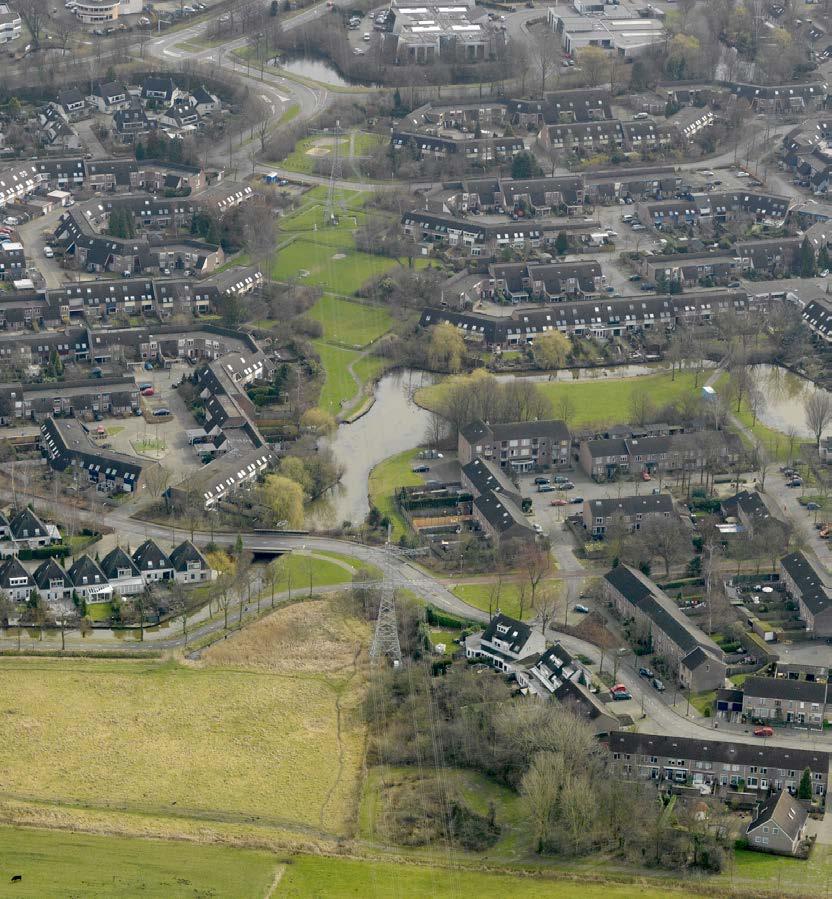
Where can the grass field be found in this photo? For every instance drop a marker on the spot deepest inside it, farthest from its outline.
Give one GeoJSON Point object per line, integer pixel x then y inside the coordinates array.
{"type": "Point", "coordinates": [477, 595]}
{"type": "Point", "coordinates": [339, 387]}
{"type": "Point", "coordinates": [350, 323]}
{"type": "Point", "coordinates": [603, 400]}
{"type": "Point", "coordinates": [233, 739]}
{"type": "Point", "coordinates": [775, 442]}
{"type": "Point", "coordinates": [99, 611]}
{"type": "Point", "coordinates": [298, 569]}
{"type": "Point", "coordinates": [331, 878]}
{"type": "Point", "coordinates": [335, 267]}
{"type": "Point", "coordinates": [300, 160]}
{"type": "Point", "coordinates": [57, 864]}
{"type": "Point", "coordinates": [384, 478]}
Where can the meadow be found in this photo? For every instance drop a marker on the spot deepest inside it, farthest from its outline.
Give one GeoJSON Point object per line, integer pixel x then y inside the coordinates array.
{"type": "Point", "coordinates": [350, 323]}
{"type": "Point", "coordinates": [605, 400]}
{"type": "Point", "coordinates": [229, 739]}
{"type": "Point", "coordinates": [58, 864]}
{"type": "Point", "coordinates": [333, 878]}
{"type": "Point", "coordinates": [339, 386]}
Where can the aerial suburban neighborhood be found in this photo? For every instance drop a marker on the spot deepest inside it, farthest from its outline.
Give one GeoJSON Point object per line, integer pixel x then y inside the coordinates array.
{"type": "Point", "coordinates": [416, 448]}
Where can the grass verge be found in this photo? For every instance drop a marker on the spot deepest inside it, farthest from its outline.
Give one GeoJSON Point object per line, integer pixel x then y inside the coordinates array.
{"type": "Point", "coordinates": [477, 595]}
{"type": "Point", "coordinates": [58, 864]}
{"type": "Point", "coordinates": [384, 478]}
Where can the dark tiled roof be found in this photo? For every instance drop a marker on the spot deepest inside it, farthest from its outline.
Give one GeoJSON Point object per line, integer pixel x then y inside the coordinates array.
{"type": "Point", "coordinates": [515, 633]}
{"type": "Point", "coordinates": [785, 688]}
{"type": "Point", "coordinates": [719, 751]}
{"type": "Point", "coordinates": [117, 559]}
{"type": "Point", "coordinates": [148, 557]}
{"type": "Point", "coordinates": [184, 553]}
{"type": "Point", "coordinates": [783, 810]}
{"type": "Point", "coordinates": [813, 591]}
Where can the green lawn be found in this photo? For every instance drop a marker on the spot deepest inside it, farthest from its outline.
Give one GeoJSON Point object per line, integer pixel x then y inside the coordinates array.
{"type": "Point", "coordinates": [297, 570]}
{"type": "Point", "coordinates": [702, 701]}
{"type": "Point", "coordinates": [350, 323]}
{"type": "Point", "coordinates": [333, 878]}
{"type": "Point", "coordinates": [446, 637]}
{"type": "Point", "coordinates": [289, 114]}
{"type": "Point", "coordinates": [339, 386]}
{"type": "Point", "coordinates": [99, 611]}
{"type": "Point", "coordinates": [477, 595]}
{"type": "Point", "coordinates": [602, 400]}
{"type": "Point", "coordinates": [60, 864]}
{"type": "Point", "coordinates": [786, 875]}
{"type": "Point", "coordinates": [334, 266]}
{"type": "Point", "coordinates": [384, 478]}
{"type": "Point", "coordinates": [774, 441]}
{"type": "Point", "coordinates": [302, 161]}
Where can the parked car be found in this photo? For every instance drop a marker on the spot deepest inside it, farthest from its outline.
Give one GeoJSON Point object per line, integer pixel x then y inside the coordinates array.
{"type": "Point", "coordinates": [542, 480]}
{"type": "Point", "coordinates": [160, 412]}
{"type": "Point", "coordinates": [794, 482]}
{"type": "Point", "coordinates": [813, 507]}
{"type": "Point", "coordinates": [148, 366]}
{"type": "Point", "coordinates": [144, 385]}
{"type": "Point", "coordinates": [568, 485]}
{"type": "Point", "coordinates": [537, 528]}
{"type": "Point", "coordinates": [561, 479]}
{"type": "Point", "coordinates": [421, 469]}
{"type": "Point", "coordinates": [618, 688]}
{"type": "Point", "coordinates": [148, 391]}
{"type": "Point", "coordinates": [48, 252]}
{"type": "Point", "coordinates": [657, 685]}
{"type": "Point", "coordinates": [764, 731]}
{"type": "Point", "coordinates": [581, 608]}
{"type": "Point", "coordinates": [646, 476]}
{"type": "Point", "coordinates": [545, 488]}
{"type": "Point", "coordinates": [645, 672]}
{"type": "Point", "coordinates": [576, 500]}
{"type": "Point", "coordinates": [621, 696]}
{"type": "Point", "coordinates": [634, 278]}
{"type": "Point", "coordinates": [559, 502]}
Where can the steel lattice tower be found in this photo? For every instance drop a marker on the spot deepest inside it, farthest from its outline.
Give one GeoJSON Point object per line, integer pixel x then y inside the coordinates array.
{"type": "Point", "coordinates": [334, 175]}
{"type": "Point", "coordinates": [386, 637]}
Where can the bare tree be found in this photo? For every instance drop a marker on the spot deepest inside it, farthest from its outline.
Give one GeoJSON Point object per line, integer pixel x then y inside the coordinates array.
{"type": "Point", "coordinates": [156, 478]}
{"type": "Point", "coordinates": [546, 607]}
{"type": "Point", "coordinates": [275, 571]}
{"type": "Point", "coordinates": [543, 53]}
{"type": "Point", "coordinates": [536, 562]}
{"type": "Point", "coordinates": [668, 539]}
{"type": "Point", "coordinates": [818, 411]}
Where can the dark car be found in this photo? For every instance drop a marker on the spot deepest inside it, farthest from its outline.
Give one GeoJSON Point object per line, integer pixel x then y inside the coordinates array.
{"type": "Point", "coordinates": [421, 469]}
{"type": "Point", "coordinates": [576, 500]}
{"type": "Point", "coordinates": [160, 412]}
{"type": "Point", "coordinates": [645, 672]}
{"type": "Point", "coordinates": [658, 685]}
{"type": "Point", "coordinates": [618, 697]}
{"type": "Point", "coordinates": [541, 480]}
{"type": "Point", "coordinates": [634, 278]}
{"type": "Point", "coordinates": [794, 482]}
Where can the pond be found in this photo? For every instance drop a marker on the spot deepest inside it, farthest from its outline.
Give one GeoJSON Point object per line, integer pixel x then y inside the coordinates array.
{"type": "Point", "coordinates": [784, 397]}
{"type": "Point", "coordinates": [318, 69]}
{"type": "Point", "coordinates": [393, 424]}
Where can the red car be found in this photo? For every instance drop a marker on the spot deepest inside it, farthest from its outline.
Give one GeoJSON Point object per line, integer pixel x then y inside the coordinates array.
{"type": "Point", "coordinates": [764, 731]}
{"type": "Point", "coordinates": [646, 476]}
{"type": "Point", "coordinates": [559, 502]}
{"type": "Point", "coordinates": [619, 688]}
{"type": "Point", "coordinates": [148, 391]}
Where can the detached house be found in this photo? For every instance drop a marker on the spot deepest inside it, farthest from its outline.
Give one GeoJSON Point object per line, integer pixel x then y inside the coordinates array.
{"type": "Point", "coordinates": [52, 581]}
{"type": "Point", "coordinates": [110, 96]}
{"type": "Point", "coordinates": [504, 642]}
{"type": "Point", "coordinates": [153, 564]}
{"type": "Point", "coordinates": [122, 572]}
{"type": "Point", "coordinates": [89, 581]}
{"type": "Point", "coordinates": [189, 565]}
{"type": "Point", "coordinates": [779, 825]}
{"type": "Point", "coordinates": [29, 532]}
{"type": "Point", "coordinates": [15, 580]}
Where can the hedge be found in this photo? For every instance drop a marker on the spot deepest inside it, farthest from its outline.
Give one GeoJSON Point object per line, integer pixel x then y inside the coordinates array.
{"type": "Point", "coordinates": [56, 550]}
{"type": "Point", "coordinates": [436, 618]}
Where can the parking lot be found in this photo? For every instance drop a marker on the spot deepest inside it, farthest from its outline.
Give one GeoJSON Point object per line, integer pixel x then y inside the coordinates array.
{"type": "Point", "coordinates": [164, 441]}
